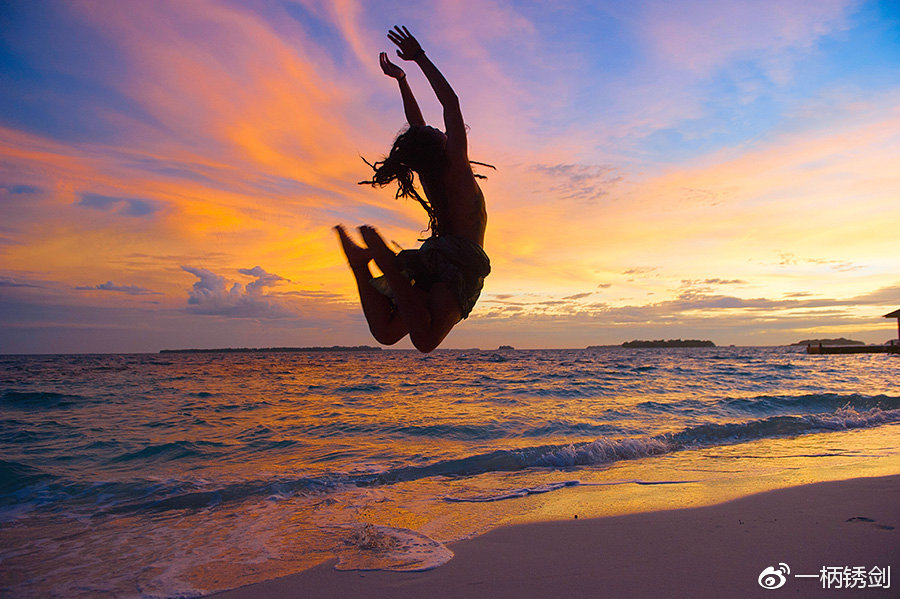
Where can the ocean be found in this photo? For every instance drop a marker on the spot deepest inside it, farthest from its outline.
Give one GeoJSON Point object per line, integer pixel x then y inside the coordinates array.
{"type": "Point", "coordinates": [176, 475]}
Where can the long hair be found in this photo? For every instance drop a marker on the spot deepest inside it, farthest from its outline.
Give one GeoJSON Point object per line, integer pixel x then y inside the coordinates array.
{"type": "Point", "coordinates": [421, 150]}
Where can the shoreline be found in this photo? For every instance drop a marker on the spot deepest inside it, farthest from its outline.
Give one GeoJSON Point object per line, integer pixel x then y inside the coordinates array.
{"type": "Point", "coordinates": [711, 551]}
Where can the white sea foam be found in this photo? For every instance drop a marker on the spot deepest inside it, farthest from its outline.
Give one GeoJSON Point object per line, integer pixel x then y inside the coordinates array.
{"type": "Point", "coordinates": [848, 417]}
{"type": "Point", "coordinates": [602, 451]}
{"type": "Point", "coordinates": [373, 547]}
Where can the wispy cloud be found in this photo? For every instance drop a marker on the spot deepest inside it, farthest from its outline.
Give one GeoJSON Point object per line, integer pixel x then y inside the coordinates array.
{"type": "Point", "coordinates": [127, 289]}
{"type": "Point", "coordinates": [579, 295]}
{"type": "Point", "coordinates": [124, 206]}
{"type": "Point", "coordinates": [701, 36]}
{"type": "Point", "coordinates": [580, 182]}
{"type": "Point", "coordinates": [710, 315]}
{"type": "Point", "coordinates": [713, 281]}
{"type": "Point", "coordinates": [19, 189]}
{"type": "Point", "coordinates": [12, 283]}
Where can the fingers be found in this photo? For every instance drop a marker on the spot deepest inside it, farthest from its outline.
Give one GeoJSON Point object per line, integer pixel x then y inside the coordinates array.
{"type": "Point", "coordinates": [398, 35]}
{"type": "Point", "coordinates": [404, 40]}
{"type": "Point", "coordinates": [389, 68]}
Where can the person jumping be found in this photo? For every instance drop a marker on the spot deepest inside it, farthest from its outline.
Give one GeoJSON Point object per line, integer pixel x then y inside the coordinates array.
{"type": "Point", "coordinates": [427, 291]}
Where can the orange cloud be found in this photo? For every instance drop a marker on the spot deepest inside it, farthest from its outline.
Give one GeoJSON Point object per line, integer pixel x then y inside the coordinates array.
{"type": "Point", "coordinates": [243, 148]}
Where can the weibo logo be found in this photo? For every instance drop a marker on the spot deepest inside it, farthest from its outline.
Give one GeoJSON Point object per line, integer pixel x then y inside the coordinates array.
{"type": "Point", "coordinates": [772, 577]}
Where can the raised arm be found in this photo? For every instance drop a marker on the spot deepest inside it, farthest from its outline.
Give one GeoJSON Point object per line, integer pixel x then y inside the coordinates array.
{"type": "Point", "coordinates": [410, 106]}
{"type": "Point", "coordinates": [409, 49]}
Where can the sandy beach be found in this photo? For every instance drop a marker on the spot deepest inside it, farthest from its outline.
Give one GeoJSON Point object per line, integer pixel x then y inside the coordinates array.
{"type": "Point", "coordinates": [714, 551]}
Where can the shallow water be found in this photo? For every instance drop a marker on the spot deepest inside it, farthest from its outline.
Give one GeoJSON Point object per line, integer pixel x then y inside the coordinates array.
{"type": "Point", "coordinates": [179, 474]}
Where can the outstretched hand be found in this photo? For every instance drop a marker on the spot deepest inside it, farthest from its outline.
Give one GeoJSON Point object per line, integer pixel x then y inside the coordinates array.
{"type": "Point", "coordinates": [389, 68]}
{"type": "Point", "coordinates": [409, 48]}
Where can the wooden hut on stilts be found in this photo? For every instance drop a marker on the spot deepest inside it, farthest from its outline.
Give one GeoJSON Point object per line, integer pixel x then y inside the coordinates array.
{"type": "Point", "coordinates": [895, 314]}
{"type": "Point", "coordinates": [891, 347]}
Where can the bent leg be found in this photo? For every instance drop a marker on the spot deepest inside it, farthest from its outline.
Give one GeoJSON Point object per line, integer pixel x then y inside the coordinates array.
{"type": "Point", "coordinates": [386, 327]}
{"type": "Point", "coordinates": [428, 317]}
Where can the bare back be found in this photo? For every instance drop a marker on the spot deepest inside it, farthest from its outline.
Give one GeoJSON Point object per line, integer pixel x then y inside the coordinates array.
{"type": "Point", "coordinates": [466, 214]}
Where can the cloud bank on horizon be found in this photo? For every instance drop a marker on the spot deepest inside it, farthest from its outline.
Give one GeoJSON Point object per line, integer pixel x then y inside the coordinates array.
{"type": "Point", "coordinates": [719, 169]}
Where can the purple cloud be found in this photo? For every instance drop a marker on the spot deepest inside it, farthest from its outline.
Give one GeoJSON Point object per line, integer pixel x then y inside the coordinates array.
{"type": "Point", "coordinates": [212, 295]}
{"type": "Point", "coordinates": [125, 206]}
{"type": "Point", "coordinates": [110, 286]}
{"type": "Point", "coordinates": [263, 279]}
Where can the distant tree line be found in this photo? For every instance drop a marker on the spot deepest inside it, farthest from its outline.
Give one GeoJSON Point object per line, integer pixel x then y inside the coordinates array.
{"type": "Point", "coordinates": [838, 341]}
{"type": "Point", "coordinates": [239, 350]}
{"type": "Point", "coordinates": [669, 343]}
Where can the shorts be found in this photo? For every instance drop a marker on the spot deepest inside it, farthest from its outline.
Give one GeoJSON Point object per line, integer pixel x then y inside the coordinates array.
{"type": "Point", "coordinates": [456, 261]}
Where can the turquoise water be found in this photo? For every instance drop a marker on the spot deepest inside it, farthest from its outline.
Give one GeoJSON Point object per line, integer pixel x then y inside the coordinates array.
{"type": "Point", "coordinates": [180, 474]}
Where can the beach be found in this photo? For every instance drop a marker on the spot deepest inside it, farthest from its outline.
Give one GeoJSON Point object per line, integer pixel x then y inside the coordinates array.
{"type": "Point", "coordinates": [182, 475]}
{"type": "Point", "coordinates": [708, 552]}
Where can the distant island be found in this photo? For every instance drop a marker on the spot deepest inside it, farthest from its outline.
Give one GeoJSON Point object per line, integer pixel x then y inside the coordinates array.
{"type": "Point", "coordinates": [638, 343]}
{"type": "Point", "coordinates": [669, 343]}
{"type": "Point", "coordinates": [505, 347]}
{"type": "Point", "coordinates": [246, 350]}
{"type": "Point", "coordinates": [838, 341]}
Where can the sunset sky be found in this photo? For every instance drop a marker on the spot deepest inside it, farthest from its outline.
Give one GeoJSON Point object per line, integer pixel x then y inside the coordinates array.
{"type": "Point", "coordinates": [170, 171]}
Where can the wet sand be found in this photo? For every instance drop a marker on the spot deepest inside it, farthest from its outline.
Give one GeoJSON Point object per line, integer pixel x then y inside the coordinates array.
{"type": "Point", "coordinates": [708, 552]}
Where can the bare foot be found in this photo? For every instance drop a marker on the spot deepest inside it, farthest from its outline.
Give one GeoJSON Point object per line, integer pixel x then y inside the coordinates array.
{"type": "Point", "coordinates": [378, 249]}
{"type": "Point", "coordinates": [357, 257]}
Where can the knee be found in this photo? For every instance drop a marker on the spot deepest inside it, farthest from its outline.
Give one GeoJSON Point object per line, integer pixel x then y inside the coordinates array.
{"type": "Point", "coordinates": [425, 348]}
{"type": "Point", "coordinates": [425, 343]}
{"type": "Point", "coordinates": [386, 337]}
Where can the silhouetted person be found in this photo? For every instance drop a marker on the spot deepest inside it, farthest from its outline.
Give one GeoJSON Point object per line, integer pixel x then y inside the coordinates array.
{"type": "Point", "coordinates": [424, 292]}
